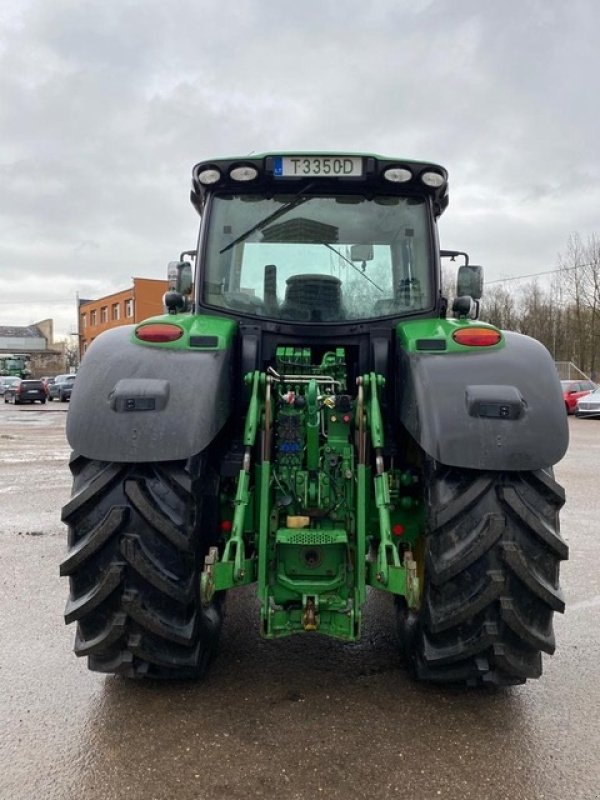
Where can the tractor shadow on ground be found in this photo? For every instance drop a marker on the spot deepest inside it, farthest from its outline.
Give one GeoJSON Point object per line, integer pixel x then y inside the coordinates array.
{"type": "Point", "coordinates": [270, 712]}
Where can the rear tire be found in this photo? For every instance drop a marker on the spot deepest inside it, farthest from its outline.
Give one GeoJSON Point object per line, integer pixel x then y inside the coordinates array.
{"type": "Point", "coordinates": [491, 586]}
{"type": "Point", "coordinates": [138, 534]}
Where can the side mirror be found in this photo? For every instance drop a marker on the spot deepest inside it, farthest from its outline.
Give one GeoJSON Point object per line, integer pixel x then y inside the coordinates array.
{"type": "Point", "coordinates": [179, 278]}
{"type": "Point", "coordinates": [469, 281]}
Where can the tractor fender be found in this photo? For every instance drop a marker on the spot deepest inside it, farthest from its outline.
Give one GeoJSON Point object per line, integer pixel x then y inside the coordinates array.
{"type": "Point", "coordinates": [498, 409]}
{"type": "Point", "coordinates": [139, 403]}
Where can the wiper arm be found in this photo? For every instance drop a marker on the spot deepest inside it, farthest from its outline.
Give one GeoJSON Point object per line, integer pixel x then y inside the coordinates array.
{"type": "Point", "coordinates": [354, 267]}
{"type": "Point", "coordinates": [297, 200]}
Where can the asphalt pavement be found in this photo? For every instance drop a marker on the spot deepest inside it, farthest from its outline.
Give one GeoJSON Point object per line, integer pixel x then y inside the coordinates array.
{"type": "Point", "coordinates": [304, 717]}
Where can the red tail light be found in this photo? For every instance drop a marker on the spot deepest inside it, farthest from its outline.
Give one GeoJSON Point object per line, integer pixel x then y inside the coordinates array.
{"type": "Point", "coordinates": [477, 337]}
{"type": "Point", "coordinates": [159, 332]}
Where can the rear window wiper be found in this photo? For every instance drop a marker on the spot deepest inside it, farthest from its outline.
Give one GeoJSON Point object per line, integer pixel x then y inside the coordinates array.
{"type": "Point", "coordinates": [297, 200]}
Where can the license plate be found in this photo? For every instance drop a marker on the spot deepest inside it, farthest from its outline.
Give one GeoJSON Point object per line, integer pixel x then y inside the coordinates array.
{"type": "Point", "coordinates": [318, 167]}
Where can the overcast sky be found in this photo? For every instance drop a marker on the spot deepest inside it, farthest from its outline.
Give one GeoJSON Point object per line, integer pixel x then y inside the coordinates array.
{"type": "Point", "coordinates": [106, 106]}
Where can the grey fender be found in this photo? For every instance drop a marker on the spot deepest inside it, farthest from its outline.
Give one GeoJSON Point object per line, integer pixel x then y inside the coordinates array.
{"type": "Point", "coordinates": [136, 403]}
{"type": "Point", "coordinates": [488, 409]}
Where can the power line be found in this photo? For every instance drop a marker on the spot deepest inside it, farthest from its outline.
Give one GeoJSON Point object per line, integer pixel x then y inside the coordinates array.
{"type": "Point", "coordinates": [547, 272]}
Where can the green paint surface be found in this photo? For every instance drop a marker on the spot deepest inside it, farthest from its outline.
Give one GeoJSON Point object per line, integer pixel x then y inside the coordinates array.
{"type": "Point", "coordinates": [309, 524]}
{"type": "Point", "coordinates": [412, 331]}
{"type": "Point", "coordinates": [192, 325]}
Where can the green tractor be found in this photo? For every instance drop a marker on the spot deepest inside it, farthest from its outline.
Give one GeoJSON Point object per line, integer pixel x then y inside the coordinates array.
{"type": "Point", "coordinates": [313, 416]}
{"type": "Point", "coordinates": [15, 364]}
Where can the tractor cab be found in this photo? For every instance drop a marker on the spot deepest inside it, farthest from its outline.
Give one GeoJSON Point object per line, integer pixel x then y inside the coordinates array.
{"type": "Point", "coordinates": [319, 240]}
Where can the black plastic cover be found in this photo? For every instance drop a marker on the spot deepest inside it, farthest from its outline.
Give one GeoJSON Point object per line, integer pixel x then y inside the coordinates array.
{"type": "Point", "coordinates": [495, 401]}
{"type": "Point", "coordinates": [489, 409]}
{"type": "Point", "coordinates": [137, 403]}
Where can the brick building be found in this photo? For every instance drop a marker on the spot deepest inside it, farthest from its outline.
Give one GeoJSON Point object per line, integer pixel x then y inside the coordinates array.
{"type": "Point", "coordinates": [142, 300]}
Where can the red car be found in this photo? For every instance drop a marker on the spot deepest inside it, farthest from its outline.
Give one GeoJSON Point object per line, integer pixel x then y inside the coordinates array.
{"type": "Point", "coordinates": [573, 390]}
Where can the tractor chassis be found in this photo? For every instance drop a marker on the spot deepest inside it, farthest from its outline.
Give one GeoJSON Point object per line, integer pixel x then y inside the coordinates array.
{"type": "Point", "coordinates": [321, 520]}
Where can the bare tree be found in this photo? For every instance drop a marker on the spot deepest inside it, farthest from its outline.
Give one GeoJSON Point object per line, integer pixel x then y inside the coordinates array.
{"type": "Point", "coordinates": [71, 351]}
{"type": "Point", "coordinates": [499, 307]}
{"type": "Point", "coordinates": [580, 280]}
{"type": "Point", "coordinates": [564, 316]}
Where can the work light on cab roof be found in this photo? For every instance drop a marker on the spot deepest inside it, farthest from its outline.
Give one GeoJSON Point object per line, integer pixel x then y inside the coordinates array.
{"type": "Point", "coordinates": [243, 173]}
{"type": "Point", "coordinates": [208, 176]}
{"type": "Point", "coordinates": [397, 175]}
{"type": "Point", "coordinates": [433, 179]}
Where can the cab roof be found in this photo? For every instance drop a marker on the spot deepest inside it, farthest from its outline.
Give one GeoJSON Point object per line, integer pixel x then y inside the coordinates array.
{"type": "Point", "coordinates": [297, 171]}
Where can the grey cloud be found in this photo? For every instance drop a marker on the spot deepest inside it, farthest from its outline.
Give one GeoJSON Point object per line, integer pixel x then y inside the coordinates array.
{"type": "Point", "coordinates": [105, 107]}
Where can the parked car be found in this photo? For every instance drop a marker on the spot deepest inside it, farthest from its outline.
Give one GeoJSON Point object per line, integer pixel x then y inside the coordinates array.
{"type": "Point", "coordinates": [25, 391]}
{"type": "Point", "coordinates": [7, 380]}
{"type": "Point", "coordinates": [61, 388]}
{"type": "Point", "coordinates": [47, 382]}
{"type": "Point", "coordinates": [589, 406]}
{"type": "Point", "coordinates": [573, 391]}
